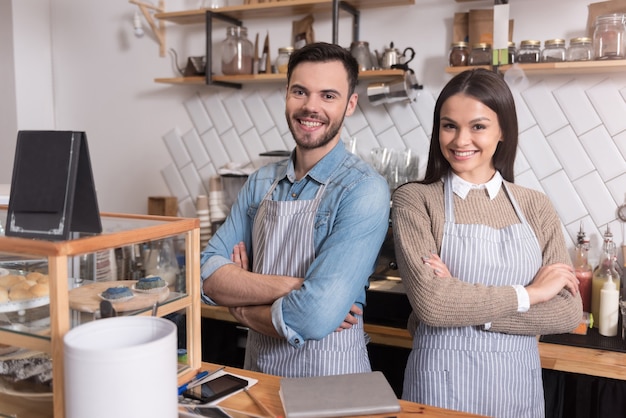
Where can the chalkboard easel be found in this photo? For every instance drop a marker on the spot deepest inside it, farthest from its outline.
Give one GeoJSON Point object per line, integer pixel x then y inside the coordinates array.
{"type": "Point", "coordinates": [52, 188]}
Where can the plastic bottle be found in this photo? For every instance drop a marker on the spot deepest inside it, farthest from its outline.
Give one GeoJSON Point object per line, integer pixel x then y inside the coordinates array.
{"type": "Point", "coordinates": [604, 272]}
{"type": "Point", "coordinates": [584, 274]}
{"type": "Point", "coordinates": [609, 308]}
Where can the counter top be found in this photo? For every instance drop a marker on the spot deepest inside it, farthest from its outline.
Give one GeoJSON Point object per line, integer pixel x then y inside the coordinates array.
{"type": "Point", "coordinates": [266, 391]}
{"type": "Point", "coordinates": [593, 362]}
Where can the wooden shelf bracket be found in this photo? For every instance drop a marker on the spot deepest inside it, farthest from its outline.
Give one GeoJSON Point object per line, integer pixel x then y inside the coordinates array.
{"type": "Point", "coordinates": [157, 26]}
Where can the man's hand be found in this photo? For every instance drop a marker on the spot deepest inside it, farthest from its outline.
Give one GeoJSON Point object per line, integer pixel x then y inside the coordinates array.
{"type": "Point", "coordinates": [350, 319]}
{"type": "Point", "coordinates": [240, 256]}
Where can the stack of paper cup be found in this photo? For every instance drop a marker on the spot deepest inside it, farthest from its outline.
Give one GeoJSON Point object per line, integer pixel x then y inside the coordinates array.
{"type": "Point", "coordinates": [121, 367]}
{"type": "Point", "coordinates": [217, 209]}
{"type": "Point", "coordinates": [202, 211]}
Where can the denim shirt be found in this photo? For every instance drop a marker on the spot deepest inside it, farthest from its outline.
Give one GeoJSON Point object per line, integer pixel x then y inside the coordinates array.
{"type": "Point", "coordinates": [350, 225]}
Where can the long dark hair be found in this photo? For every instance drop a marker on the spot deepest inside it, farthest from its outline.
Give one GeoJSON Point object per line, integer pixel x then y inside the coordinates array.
{"type": "Point", "coordinates": [491, 90]}
{"type": "Point", "coordinates": [325, 52]}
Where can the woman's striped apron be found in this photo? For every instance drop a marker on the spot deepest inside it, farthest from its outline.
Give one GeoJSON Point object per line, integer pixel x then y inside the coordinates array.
{"type": "Point", "coordinates": [283, 244]}
{"type": "Point", "coordinates": [467, 368]}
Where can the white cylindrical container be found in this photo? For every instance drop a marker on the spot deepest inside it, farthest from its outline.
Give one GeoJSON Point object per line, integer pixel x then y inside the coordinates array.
{"type": "Point", "coordinates": [609, 309]}
{"type": "Point", "coordinates": [121, 367]}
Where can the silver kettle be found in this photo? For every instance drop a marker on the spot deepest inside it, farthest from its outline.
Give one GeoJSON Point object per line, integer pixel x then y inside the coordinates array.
{"type": "Point", "coordinates": [393, 58]}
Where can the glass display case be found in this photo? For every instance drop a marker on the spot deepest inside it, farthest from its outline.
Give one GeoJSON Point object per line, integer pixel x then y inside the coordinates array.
{"type": "Point", "coordinates": [64, 281]}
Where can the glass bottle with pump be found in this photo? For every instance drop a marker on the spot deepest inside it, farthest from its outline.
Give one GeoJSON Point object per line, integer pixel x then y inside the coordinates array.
{"type": "Point", "coordinates": [583, 271]}
{"type": "Point", "coordinates": [604, 272]}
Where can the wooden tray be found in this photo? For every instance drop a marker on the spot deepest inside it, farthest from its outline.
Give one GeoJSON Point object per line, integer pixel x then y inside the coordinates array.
{"type": "Point", "coordinates": [86, 298]}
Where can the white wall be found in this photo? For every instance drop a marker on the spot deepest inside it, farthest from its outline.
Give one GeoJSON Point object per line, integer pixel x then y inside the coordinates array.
{"type": "Point", "coordinates": [8, 110]}
{"type": "Point", "coordinates": [102, 83]}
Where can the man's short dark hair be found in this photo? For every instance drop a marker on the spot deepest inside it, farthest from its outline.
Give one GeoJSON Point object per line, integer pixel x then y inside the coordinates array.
{"type": "Point", "coordinates": [325, 52]}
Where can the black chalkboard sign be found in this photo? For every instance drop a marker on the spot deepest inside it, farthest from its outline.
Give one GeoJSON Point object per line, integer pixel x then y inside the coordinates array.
{"type": "Point", "coordinates": [52, 188]}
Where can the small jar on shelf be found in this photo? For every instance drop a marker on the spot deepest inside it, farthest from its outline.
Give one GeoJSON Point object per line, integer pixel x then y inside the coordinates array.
{"type": "Point", "coordinates": [512, 53]}
{"type": "Point", "coordinates": [459, 54]}
{"type": "Point", "coordinates": [553, 51]}
{"type": "Point", "coordinates": [529, 51]}
{"type": "Point", "coordinates": [580, 49]}
{"type": "Point", "coordinates": [282, 60]}
{"type": "Point", "coordinates": [480, 54]}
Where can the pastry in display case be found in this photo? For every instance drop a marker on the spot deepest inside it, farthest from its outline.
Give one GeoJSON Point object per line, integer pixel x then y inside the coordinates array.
{"type": "Point", "coordinates": [50, 287]}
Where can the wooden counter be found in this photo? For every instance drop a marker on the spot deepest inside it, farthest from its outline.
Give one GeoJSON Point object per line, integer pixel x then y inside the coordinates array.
{"type": "Point", "coordinates": [266, 391]}
{"type": "Point", "coordinates": [601, 363]}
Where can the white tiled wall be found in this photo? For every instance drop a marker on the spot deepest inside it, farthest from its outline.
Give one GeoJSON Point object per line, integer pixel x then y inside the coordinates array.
{"type": "Point", "coordinates": [572, 141]}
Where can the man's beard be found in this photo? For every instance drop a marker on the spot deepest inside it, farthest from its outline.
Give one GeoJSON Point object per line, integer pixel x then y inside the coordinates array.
{"type": "Point", "coordinates": [333, 130]}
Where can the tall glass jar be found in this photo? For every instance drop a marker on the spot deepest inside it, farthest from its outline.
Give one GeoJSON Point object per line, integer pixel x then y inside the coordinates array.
{"type": "Point", "coordinates": [529, 51]}
{"type": "Point", "coordinates": [459, 54]}
{"type": "Point", "coordinates": [580, 49]}
{"type": "Point", "coordinates": [480, 54]}
{"type": "Point", "coordinates": [237, 51]}
{"type": "Point", "coordinates": [608, 36]}
{"type": "Point", "coordinates": [553, 51]}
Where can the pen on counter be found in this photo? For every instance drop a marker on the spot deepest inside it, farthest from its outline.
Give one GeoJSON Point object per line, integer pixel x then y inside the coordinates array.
{"type": "Point", "coordinates": [199, 376]}
{"type": "Point", "coordinates": [260, 404]}
{"type": "Point", "coordinates": [204, 379]}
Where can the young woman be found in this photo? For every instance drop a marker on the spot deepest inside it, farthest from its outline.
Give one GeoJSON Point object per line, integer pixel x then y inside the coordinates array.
{"type": "Point", "coordinates": [483, 260]}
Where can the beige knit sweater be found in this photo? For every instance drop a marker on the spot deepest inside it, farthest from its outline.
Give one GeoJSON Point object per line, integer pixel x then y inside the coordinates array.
{"type": "Point", "coordinates": [418, 223]}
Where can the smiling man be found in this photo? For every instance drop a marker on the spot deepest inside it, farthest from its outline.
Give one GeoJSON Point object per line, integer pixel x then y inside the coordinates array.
{"type": "Point", "coordinates": [293, 258]}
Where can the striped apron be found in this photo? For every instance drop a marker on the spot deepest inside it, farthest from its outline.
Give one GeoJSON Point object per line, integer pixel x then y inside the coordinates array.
{"type": "Point", "coordinates": [467, 368]}
{"type": "Point", "coordinates": [283, 244]}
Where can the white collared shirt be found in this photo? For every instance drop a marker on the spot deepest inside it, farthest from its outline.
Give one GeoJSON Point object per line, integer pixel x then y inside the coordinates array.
{"type": "Point", "coordinates": [461, 188]}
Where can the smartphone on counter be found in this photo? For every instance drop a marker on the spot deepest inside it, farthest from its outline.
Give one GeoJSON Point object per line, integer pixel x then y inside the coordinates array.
{"type": "Point", "coordinates": [211, 411]}
{"type": "Point", "coordinates": [215, 389]}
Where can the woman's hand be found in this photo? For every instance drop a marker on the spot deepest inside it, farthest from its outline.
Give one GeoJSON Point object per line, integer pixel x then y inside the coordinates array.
{"type": "Point", "coordinates": [550, 280]}
{"type": "Point", "coordinates": [240, 256]}
{"type": "Point", "coordinates": [439, 267]}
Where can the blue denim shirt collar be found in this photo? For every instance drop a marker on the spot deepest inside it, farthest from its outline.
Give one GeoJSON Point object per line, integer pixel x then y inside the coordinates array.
{"type": "Point", "coordinates": [324, 169]}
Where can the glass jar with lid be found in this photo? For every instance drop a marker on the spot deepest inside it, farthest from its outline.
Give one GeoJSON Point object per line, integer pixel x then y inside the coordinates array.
{"type": "Point", "coordinates": [282, 60]}
{"type": "Point", "coordinates": [237, 51]}
{"type": "Point", "coordinates": [512, 52]}
{"type": "Point", "coordinates": [529, 51]}
{"type": "Point", "coordinates": [580, 49]}
{"type": "Point", "coordinates": [553, 50]}
{"type": "Point", "coordinates": [608, 36]}
{"type": "Point", "coordinates": [480, 54]}
{"type": "Point", "coordinates": [459, 54]}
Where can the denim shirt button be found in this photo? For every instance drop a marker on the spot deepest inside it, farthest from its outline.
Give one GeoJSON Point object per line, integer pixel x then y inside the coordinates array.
{"type": "Point", "coordinates": [294, 195]}
{"type": "Point", "coordinates": [297, 341]}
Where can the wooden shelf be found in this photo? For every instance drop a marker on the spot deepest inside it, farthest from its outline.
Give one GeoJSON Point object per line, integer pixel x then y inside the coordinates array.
{"type": "Point", "coordinates": [273, 9]}
{"type": "Point", "coordinates": [577, 67]}
{"type": "Point", "coordinates": [374, 75]}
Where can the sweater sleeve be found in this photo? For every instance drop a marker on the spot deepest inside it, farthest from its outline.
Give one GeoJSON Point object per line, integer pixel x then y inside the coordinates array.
{"type": "Point", "coordinates": [417, 219]}
{"type": "Point", "coordinates": [562, 313]}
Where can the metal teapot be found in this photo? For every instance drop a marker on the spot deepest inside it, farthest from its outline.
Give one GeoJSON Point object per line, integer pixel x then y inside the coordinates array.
{"type": "Point", "coordinates": [393, 58]}
{"type": "Point", "coordinates": [195, 65]}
